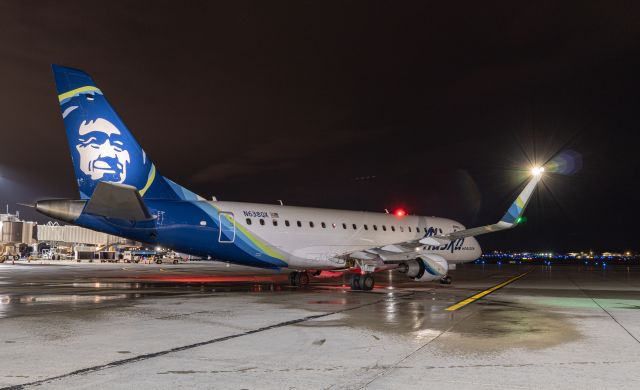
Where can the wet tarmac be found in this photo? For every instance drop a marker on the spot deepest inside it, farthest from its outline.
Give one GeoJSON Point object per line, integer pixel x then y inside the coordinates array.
{"type": "Point", "coordinates": [207, 325]}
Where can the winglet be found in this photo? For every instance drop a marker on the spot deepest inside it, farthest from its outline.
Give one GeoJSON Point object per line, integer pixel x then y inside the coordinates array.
{"type": "Point", "coordinates": [514, 213]}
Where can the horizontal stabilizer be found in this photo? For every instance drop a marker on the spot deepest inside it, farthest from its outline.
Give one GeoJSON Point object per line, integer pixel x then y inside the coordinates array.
{"type": "Point", "coordinates": [119, 201]}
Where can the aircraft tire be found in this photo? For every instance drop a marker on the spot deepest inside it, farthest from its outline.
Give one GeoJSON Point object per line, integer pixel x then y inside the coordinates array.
{"type": "Point", "coordinates": [292, 278]}
{"type": "Point", "coordinates": [302, 279]}
{"type": "Point", "coordinates": [367, 282]}
{"type": "Point", "coordinates": [446, 280]}
{"type": "Point", "coordinates": [355, 282]}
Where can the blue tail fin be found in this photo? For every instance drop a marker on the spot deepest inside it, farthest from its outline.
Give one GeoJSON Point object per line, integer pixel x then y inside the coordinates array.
{"type": "Point", "coordinates": [102, 148]}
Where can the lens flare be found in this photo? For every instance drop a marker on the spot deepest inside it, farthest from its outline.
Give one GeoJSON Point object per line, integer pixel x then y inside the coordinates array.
{"type": "Point", "coordinates": [566, 162]}
{"type": "Point", "coordinates": [537, 171]}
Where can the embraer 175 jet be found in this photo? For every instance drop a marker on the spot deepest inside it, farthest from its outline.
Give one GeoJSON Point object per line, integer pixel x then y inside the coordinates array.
{"type": "Point", "coordinates": [122, 193]}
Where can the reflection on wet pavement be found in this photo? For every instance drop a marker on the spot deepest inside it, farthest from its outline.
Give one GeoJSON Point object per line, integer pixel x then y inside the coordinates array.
{"type": "Point", "coordinates": [147, 309]}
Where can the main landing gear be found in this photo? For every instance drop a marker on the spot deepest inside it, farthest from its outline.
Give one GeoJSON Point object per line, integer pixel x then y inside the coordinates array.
{"type": "Point", "coordinates": [446, 280]}
{"type": "Point", "coordinates": [299, 279]}
{"type": "Point", "coordinates": [363, 282]}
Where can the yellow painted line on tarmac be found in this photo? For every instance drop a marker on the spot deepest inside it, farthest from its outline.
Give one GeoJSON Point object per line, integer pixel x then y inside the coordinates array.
{"type": "Point", "coordinates": [484, 293]}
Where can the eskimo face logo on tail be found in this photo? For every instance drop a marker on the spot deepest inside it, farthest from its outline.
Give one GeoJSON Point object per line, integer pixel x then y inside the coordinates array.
{"type": "Point", "coordinates": [102, 154]}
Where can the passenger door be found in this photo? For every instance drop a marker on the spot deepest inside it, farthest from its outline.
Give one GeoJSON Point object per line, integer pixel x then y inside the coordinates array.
{"type": "Point", "coordinates": [227, 233]}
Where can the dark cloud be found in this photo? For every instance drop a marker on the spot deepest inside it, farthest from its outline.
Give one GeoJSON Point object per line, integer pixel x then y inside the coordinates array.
{"type": "Point", "coordinates": [273, 156]}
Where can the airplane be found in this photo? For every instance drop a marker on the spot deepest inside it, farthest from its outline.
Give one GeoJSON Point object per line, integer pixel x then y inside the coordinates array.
{"type": "Point", "coordinates": [123, 193]}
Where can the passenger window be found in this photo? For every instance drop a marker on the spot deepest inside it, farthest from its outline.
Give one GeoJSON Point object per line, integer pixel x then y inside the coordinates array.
{"type": "Point", "coordinates": [275, 222]}
{"type": "Point", "coordinates": [365, 227]}
{"type": "Point", "coordinates": [425, 230]}
{"type": "Point", "coordinates": [354, 227]}
{"type": "Point", "coordinates": [344, 225]}
{"type": "Point", "coordinates": [310, 224]}
{"type": "Point", "coordinates": [401, 229]}
{"type": "Point", "coordinates": [286, 223]}
{"type": "Point", "coordinates": [384, 227]}
{"type": "Point", "coordinates": [248, 221]}
{"type": "Point", "coordinates": [261, 221]}
{"type": "Point", "coordinates": [393, 228]}
{"type": "Point", "coordinates": [299, 223]}
{"type": "Point", "coordinates": [324, 225]}
{"type": "Point", "coordinates": [409, 227]}
{"type": "Point", "coordinates": [333, 225]}
{"type": "Point", "coordinates": [375, 227]}
{"type": "Point", "coordinates": [417, 229]}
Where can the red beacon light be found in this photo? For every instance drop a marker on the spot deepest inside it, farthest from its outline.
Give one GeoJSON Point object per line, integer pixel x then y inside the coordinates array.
{"type": "Point", "coordinates": [400, 213]}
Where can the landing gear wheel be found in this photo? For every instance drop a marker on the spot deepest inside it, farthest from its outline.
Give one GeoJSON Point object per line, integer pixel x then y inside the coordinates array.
{"type": "Point", "coordinates": [302, 279]}
{"type": "Point", "coordinates": [299, 279]}
{"type": "Point", "coordinates": [292, 278]}
{"type": "Point", "coordinates": [355, 282]}
{"type": "Point", "coordinates": [367, 282]}
{"type": "Point", "coordinates": [446, 280]}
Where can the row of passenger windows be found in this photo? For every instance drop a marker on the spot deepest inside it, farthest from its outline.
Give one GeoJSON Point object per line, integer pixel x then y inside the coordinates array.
{"type": "Point", "coordinates": [333, 225]}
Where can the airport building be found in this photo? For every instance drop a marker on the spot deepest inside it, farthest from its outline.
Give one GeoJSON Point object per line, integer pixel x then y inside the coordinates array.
{"type": "Point", "coordinates": [20, 238]}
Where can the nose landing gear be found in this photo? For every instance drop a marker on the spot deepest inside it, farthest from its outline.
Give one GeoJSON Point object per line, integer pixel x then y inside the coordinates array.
{"type": "Point", "coordinates": [446, 280]}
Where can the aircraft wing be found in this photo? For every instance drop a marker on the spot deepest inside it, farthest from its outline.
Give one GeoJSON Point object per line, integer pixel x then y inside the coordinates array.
{"type": "Point", "coordinates": [408, 250]}
{"type": "Point", "coordinates": [510, 219]}
{"type": "Point", "coordinates": [118, 201]}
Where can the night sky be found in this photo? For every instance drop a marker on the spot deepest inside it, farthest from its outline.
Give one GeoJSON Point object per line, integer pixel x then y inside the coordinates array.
{"type": "Point", "coordinates": [439, 109]}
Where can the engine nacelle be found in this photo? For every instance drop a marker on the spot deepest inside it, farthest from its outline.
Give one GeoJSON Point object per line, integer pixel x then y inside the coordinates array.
{"type": "Point", "coordinates": [426, 268]}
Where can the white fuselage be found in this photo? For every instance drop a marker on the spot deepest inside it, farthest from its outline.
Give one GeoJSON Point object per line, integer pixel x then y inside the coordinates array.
{"type": "Point", "coordinates": [319, 238]}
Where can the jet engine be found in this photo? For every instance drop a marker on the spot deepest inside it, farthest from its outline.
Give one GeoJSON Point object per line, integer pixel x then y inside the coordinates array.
{"type": "Point", "coordinates": [425, 268]}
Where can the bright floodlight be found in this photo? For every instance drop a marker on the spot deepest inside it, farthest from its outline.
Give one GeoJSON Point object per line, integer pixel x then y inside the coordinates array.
{"type": "Point", "coordinates": [537, 171]}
